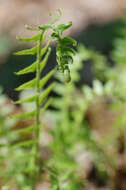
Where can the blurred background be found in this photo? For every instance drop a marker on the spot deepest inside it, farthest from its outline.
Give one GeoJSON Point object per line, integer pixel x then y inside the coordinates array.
{"type": "Point", "coordinates": [98, 106]}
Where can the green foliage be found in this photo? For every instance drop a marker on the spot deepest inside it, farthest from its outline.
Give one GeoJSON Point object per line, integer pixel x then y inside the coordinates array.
{"type": "Point", "coordinates": [72, 131]}
{"type": "Point", "coordinates": [28, 148]}
{"type": "Point", "coordinates": [72, 136]}
{"type": "Point", "coordinates": [118, 52]}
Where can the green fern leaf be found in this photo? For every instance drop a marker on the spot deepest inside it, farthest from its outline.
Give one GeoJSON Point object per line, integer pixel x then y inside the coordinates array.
{"type": "Point", "coordinates": [27, 85]}
{"type": "Point", "coordinates": [31, 51]}
{"type": "Point", "coordinates": [26, 100]}
{"type": "Point", "coordinates": [60, 29]}
{"type": "Point", "coordinates": [44, 61]}
{"type": "Point", "coordinates": [26, 115]}
{"type": "Point", "coordinates": [46, 105]}
{"type": "Point", "coordinates": [46, 78]}
{"type": "Point", "coordinates": [45, 93]}
{"type": "Point", "coordinates": [66, 41]}
{"type": "Point", "coordinates": [32, 39]}
{"type": "Point", "coordinates": [44, 49]}
{"type": "Point", "coordinates": [29, 69]}
{"type": "Point", "coordinates": [24, 130]}
{"type": "Point", "coordinates": [23, 144]}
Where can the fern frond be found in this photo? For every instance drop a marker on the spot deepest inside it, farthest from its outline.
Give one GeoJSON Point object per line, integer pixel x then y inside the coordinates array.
{"type": "Point", "coordinates": [40, 98]}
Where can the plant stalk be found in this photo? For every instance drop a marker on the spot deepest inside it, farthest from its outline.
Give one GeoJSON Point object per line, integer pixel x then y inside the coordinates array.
{"type": "Point", "coordinates": [37, 117]}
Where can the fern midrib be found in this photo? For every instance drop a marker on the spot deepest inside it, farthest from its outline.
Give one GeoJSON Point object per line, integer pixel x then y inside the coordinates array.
{"type": "Point", "coordinates": [37, 117]}
{"type": "Point", "coordinates": [38, 86]}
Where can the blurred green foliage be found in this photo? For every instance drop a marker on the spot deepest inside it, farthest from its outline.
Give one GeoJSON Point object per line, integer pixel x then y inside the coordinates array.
{"type": "Point", "coordinates": [71, 132]}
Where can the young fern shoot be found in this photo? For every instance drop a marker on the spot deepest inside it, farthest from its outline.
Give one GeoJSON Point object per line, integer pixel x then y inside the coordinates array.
{"type": "Point", "coordinates": [64, 53]}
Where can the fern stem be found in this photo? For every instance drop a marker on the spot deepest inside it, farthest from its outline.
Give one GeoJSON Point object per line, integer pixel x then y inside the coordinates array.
{"type": "Point", "coordinates": [37, 117]}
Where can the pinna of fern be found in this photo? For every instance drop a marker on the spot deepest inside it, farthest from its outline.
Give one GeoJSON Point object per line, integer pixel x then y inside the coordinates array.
{"type": "Point", "coordinates": [64, 54]}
